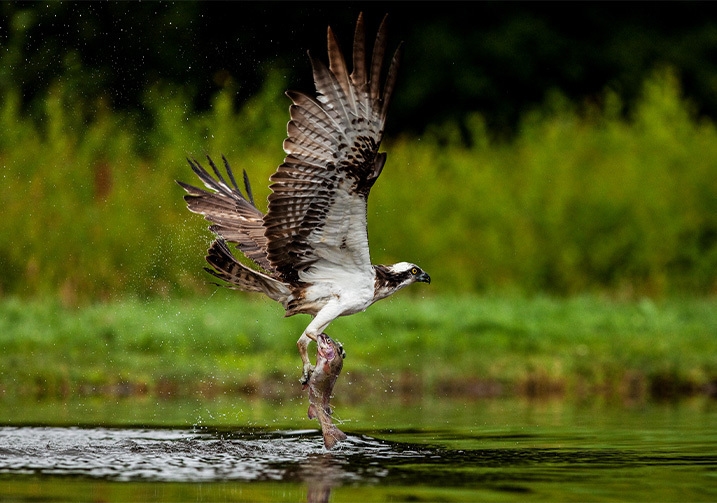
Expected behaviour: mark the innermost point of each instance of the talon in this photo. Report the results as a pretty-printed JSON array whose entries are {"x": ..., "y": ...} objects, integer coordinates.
[
  {"x": 341, "y": 350},
  {"x": 308, "y": 370}
]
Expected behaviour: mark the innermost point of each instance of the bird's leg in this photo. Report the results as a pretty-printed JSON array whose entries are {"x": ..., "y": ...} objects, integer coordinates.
[
  {"x": 322, "y": 319},
  {"x": 303, "y": 344}
]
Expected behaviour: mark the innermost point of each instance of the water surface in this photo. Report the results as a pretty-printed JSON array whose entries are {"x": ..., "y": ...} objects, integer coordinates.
[{"x": 493, "y": 451}]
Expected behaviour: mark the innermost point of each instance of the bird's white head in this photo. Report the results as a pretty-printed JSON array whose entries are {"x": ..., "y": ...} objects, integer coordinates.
[
  {"x": 409, "y": 273},
  {"x": 394, "y": 277}
]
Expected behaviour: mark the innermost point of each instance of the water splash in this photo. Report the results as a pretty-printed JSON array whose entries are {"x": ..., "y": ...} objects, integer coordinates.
[{"x": 183, "y": 455}]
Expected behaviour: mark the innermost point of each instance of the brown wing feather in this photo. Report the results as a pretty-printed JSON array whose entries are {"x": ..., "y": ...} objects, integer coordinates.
[
  {"x": 337, "y": 65},
  {"x": 317, "y": 209},
  {"x": 379, "y": 47},
  {"x": 358, "y": 73},
  {"x": 227, "y": 268},
  {"x": 235, "y": 217}
]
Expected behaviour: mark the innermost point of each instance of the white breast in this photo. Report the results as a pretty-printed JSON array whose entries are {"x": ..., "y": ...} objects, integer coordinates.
[{"x": 353, "y": 290}]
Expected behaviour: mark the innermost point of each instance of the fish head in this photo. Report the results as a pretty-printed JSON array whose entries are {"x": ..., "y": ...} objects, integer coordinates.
[
  {"x": 327, "y": 348},
  {"x": 330, "y": 354}
]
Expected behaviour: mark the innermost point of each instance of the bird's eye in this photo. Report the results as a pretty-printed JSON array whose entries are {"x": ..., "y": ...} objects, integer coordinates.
[{"x": 414, "y": 271}]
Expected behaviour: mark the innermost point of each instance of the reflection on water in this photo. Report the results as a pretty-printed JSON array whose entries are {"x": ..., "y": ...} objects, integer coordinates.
[{"x": 659, "y": 453}]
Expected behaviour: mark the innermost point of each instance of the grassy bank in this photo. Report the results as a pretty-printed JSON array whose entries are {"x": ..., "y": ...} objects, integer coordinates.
[{"x": 468, "y": 346}]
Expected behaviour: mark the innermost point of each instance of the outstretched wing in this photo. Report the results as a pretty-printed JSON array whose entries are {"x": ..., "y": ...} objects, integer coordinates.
[
  {"x": 317, "y": 209},
  {"x": 234, "y": 216}
]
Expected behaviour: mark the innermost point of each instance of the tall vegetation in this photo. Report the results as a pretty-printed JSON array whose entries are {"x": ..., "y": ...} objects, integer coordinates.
[{"x": 589, "y": 197}]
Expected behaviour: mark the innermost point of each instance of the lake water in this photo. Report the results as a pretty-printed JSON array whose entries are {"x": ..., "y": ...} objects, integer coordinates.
[{"x": 433, "y": 450}]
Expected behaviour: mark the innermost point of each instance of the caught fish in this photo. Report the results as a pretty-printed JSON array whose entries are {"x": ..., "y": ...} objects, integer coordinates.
[{"x": 329, "y": 360}]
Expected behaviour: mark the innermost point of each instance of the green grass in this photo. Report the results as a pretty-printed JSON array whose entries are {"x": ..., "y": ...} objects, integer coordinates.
[{"x": 471, "y": 346}]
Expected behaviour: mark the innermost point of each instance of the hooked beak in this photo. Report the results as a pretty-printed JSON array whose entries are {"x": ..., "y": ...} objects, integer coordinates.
[{"x": 423, "y": 278}]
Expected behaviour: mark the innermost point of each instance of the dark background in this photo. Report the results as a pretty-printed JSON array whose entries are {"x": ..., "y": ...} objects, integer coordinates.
[{"x": 497, "y": 58}]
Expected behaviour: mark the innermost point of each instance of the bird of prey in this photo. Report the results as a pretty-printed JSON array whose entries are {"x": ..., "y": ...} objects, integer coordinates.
[{"x": 310, "y": 250}]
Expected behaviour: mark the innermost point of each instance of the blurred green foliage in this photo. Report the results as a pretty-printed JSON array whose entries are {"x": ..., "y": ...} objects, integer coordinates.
[
  {"x": 589, "y": 197},
  {"x": 501, "y": 59},
  {"x": 582, "y": 199}
]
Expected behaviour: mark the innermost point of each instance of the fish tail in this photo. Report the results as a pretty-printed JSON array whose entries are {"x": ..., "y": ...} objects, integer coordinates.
[{"x": 332, "y": 435}]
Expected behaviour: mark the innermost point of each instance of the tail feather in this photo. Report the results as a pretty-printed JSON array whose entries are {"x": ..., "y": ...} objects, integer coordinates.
[{"x": 229, "y": 269}]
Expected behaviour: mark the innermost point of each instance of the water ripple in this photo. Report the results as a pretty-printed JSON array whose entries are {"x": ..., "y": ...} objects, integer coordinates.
[
  {"x": 184, "y": 455},
  {"x": 216, "y": 455}
]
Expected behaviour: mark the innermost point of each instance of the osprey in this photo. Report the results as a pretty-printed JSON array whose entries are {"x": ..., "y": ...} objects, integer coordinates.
[{"x": 311, "y": 248}]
